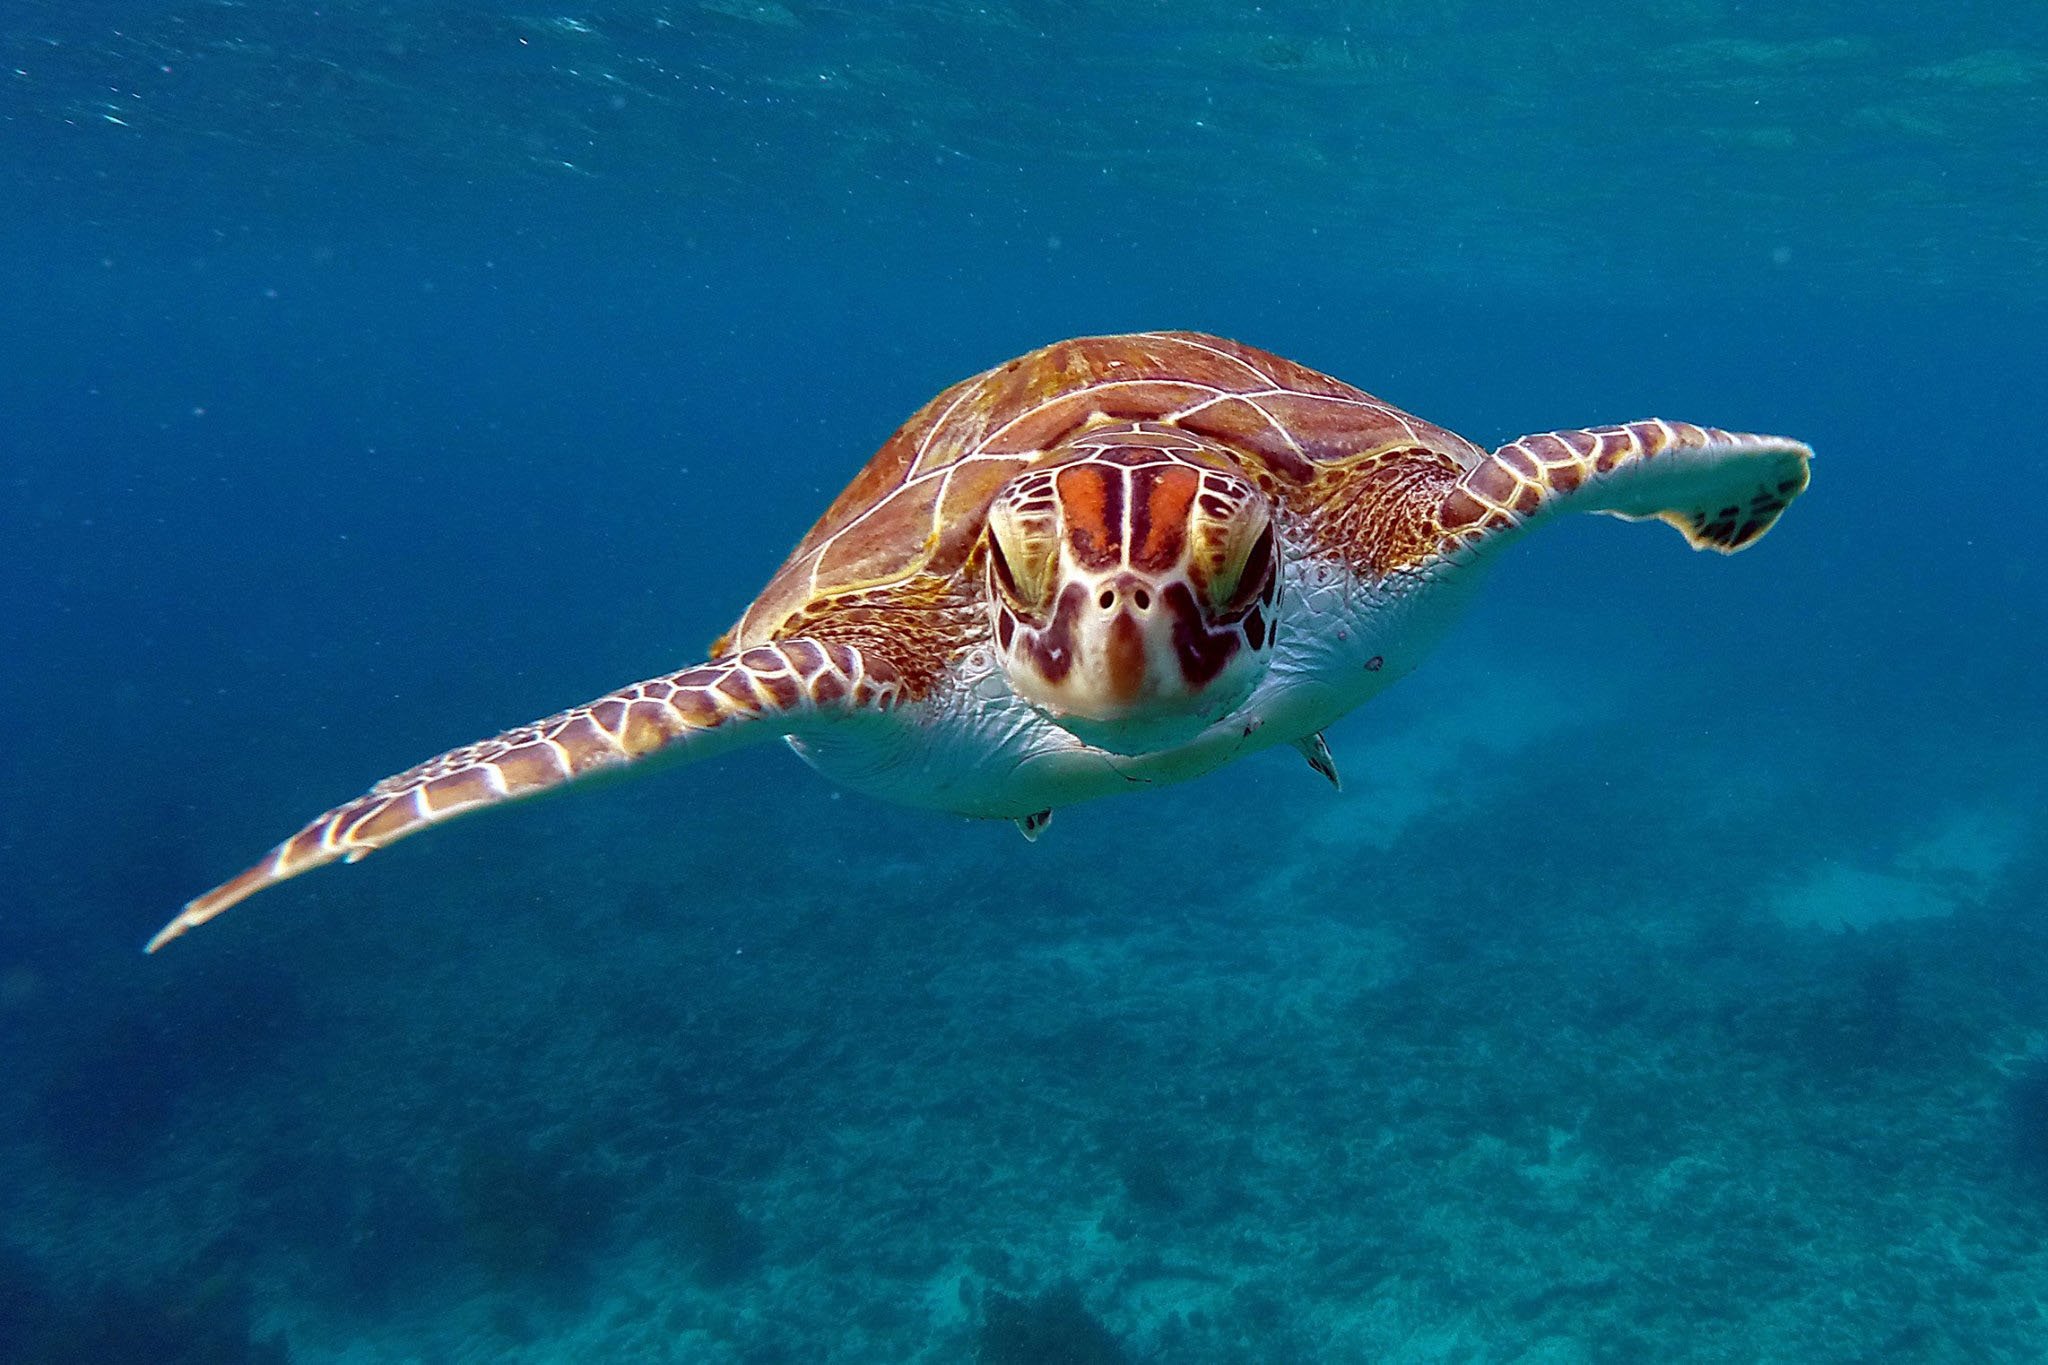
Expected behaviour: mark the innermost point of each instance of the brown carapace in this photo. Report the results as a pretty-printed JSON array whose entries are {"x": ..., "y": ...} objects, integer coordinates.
[{"x": 1112, "y": 562}]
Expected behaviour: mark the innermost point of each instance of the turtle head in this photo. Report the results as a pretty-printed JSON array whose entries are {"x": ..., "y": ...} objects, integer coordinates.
[{"x": 1132, "y": 591}]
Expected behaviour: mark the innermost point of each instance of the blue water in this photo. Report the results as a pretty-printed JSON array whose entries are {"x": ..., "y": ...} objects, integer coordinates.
[{"x": 1669, "y": 983}]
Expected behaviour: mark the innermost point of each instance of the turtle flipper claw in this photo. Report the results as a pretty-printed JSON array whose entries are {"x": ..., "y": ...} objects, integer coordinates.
[
  {"x": 1721, "y": 489},
  {"x": 1316, "y": 750},
  {"x": 1033, "y": 825}
]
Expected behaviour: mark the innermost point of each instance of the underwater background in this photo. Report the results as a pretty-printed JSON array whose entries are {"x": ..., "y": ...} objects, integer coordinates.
[{"x": 1670, "y": 982}]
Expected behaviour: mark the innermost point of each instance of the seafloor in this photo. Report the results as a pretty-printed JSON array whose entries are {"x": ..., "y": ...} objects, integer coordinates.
[{"x": 1587, "y": 1024}]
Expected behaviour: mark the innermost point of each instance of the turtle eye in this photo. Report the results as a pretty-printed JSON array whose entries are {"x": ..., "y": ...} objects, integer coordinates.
[
  {"x": 1244, "y": 567},
  {"x": 1023, "y": 557}
]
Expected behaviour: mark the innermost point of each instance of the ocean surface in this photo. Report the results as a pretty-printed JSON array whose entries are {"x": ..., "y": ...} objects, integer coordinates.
[{"x": 1668, "y": 983}]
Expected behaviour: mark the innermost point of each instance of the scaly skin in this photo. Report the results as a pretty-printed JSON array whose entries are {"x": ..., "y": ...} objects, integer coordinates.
[
  {"x": 700, "y": 711},
  {"x": 1198, "y": 549}
]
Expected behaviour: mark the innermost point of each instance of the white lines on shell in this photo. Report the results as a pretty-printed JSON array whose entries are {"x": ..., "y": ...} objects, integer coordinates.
[
  {"x": 1278, "y": 426},
  {"x": 932, "y": 431},
  {"x": 860, "y": 519},
  {"x": 1253, "y": 395},
  {"x": 1165, "y": 445},
  {"x": 938, "y": 516},
  {"x": 1021, "y": 457},
  {"x": 1370, "y": 404},
  {"x": 935, "y": 527},
  {"x": 1043, "y": 404},
  {"x": 1182, "y": 414},
  {"x": 1270, "y": 381}
]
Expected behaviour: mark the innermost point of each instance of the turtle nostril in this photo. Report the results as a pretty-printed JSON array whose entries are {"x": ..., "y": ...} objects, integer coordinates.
[
  {"x": 1107, "y": 600},
  {"x": 1143, "y": 599}
]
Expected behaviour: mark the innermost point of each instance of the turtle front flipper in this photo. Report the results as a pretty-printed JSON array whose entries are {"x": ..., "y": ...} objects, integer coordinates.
[
  {"x": 1721, "y": 489},
  {"x": 765, "y": 692}
]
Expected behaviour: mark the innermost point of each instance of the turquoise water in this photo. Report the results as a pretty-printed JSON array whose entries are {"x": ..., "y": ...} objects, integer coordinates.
[{"x": 1670, "y": 982}]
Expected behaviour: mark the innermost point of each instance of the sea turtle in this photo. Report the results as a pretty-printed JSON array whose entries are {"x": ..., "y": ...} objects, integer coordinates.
[{"x": 1111, "y": 563}]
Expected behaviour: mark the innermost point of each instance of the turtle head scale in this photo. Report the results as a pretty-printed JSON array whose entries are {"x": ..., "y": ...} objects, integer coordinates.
[{"x": 1132, "y": 592}]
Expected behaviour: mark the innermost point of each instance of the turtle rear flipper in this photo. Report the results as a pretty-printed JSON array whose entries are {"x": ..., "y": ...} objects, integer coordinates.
[
  {"x": 762, "y": 693},
  {"x": 1721, "y": 489}
]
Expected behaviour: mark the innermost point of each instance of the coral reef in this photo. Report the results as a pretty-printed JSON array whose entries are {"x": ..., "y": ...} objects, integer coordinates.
[
  {"x": 527, "y": 1215},
  {"x": 1054, "y": 1328},
  {"x": 1561, "y": 1096},
  {"x": 206, "y": 1323}
]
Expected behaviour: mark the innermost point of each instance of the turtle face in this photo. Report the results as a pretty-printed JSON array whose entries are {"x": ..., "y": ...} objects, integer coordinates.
[{"x": 1132, "y": 593}]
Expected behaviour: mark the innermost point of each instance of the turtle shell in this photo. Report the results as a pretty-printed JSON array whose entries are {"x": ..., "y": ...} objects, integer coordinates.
[{"x": 916, "y": 512}]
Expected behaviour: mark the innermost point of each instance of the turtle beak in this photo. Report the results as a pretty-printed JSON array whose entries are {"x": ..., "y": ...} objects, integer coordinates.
[
  {"x": 1126, "y": 601},
  {"x": 1126, "y": 632}
]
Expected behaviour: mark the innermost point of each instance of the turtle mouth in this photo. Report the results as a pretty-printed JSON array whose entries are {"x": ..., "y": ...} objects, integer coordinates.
[{"x": 1132, "y": 658}]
